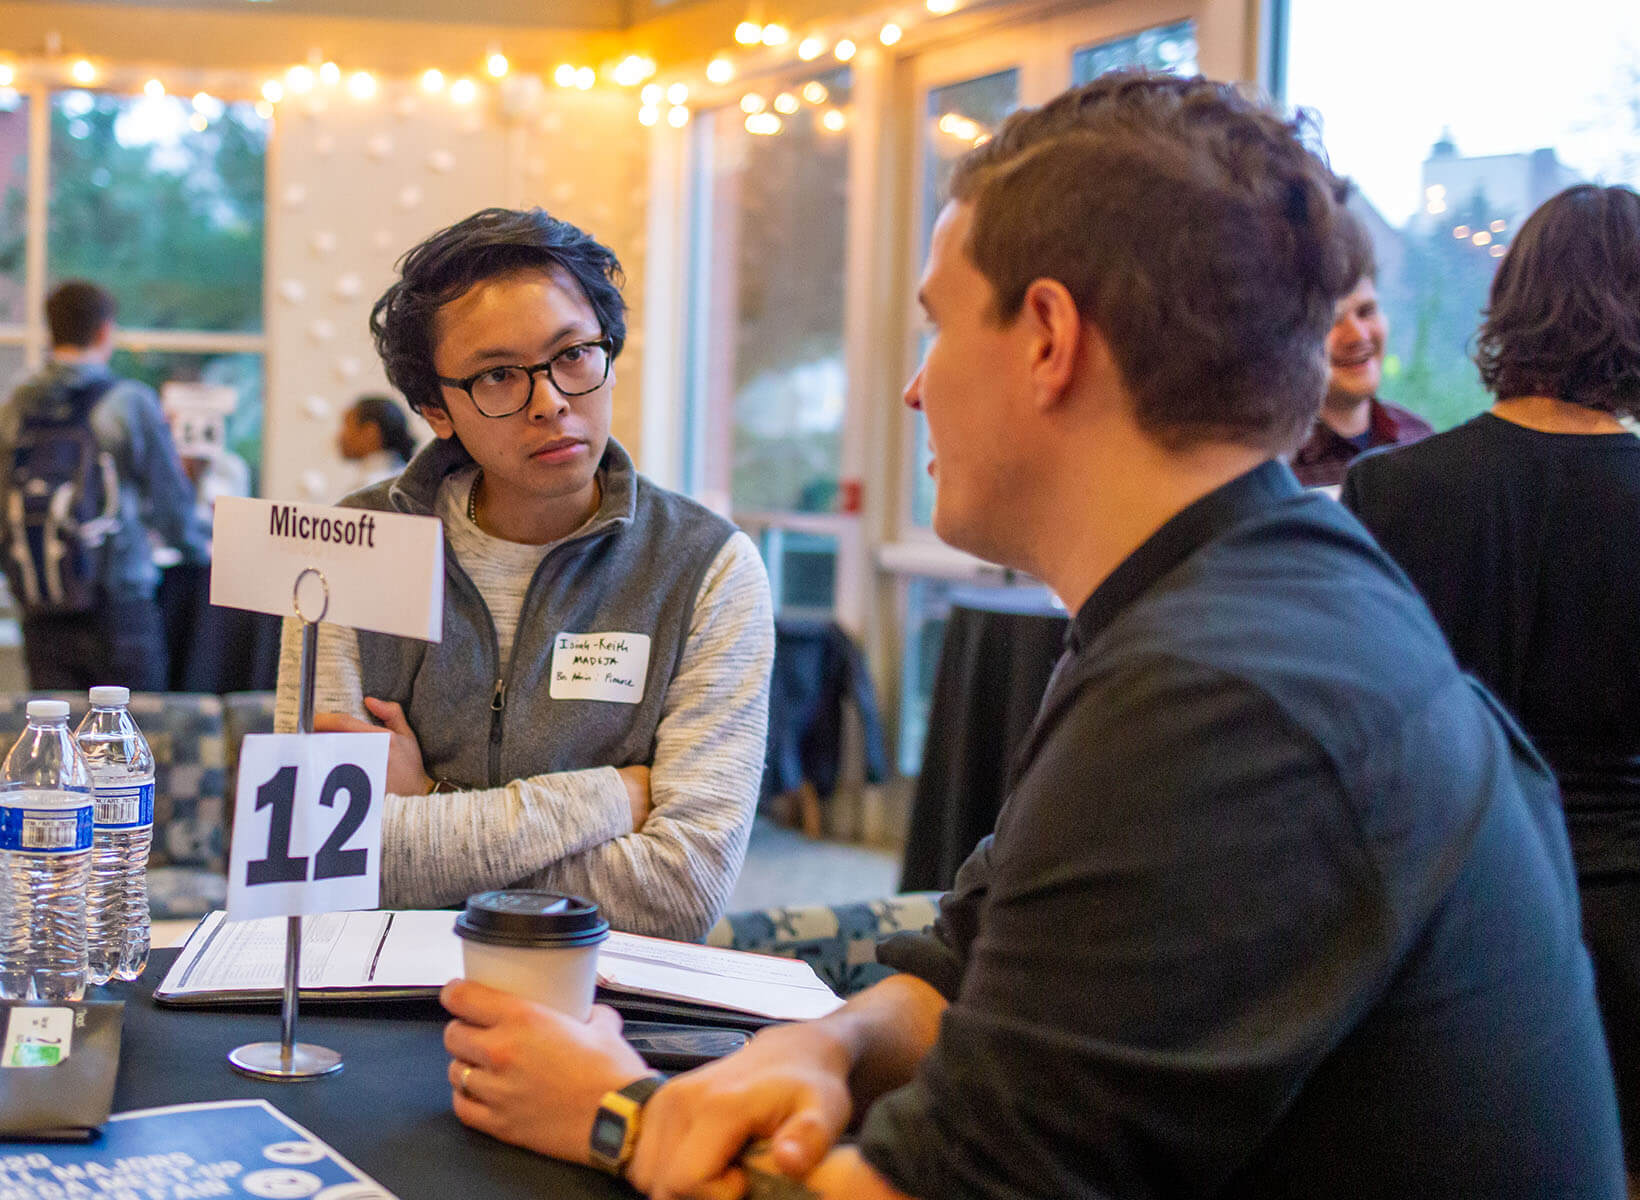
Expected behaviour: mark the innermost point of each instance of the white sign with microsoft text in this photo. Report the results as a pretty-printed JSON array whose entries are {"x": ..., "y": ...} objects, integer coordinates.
[{"x": 378, "y": 570}]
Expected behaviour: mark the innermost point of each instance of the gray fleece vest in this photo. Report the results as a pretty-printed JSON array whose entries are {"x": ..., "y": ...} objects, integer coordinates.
[{"x": 637, "y": 567}]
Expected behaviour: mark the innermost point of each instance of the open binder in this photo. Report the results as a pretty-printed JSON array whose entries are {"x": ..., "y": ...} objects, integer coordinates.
[{"x": 405, "y": 954}]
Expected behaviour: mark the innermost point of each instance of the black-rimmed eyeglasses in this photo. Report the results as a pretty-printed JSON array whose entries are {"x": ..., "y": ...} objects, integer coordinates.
[{"x": 501, "y": 391}]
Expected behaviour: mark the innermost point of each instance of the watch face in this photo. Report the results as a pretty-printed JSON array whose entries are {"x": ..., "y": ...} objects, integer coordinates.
[{"x": 608, "y": 1134}]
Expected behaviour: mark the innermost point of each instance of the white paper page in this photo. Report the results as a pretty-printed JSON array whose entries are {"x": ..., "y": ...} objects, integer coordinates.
[
  {"x": 781, "y": 988},
  {"x": 421, "y": 950},
  {"x": 337, "y": 950}
]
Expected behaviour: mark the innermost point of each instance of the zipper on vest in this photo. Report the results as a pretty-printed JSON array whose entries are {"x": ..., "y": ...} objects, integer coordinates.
[{"x": 498, "y": 702}]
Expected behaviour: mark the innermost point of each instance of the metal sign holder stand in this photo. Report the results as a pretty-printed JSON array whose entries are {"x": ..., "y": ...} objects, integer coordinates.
[{"x": 287, "y": 1060}]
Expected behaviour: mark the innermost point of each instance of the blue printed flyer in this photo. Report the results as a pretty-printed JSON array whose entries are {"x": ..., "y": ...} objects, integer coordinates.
[{"x": 232, "y": 1148}]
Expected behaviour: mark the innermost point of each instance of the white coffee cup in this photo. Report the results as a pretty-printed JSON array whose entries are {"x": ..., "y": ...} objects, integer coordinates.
[{"x": 542, "y": 946}]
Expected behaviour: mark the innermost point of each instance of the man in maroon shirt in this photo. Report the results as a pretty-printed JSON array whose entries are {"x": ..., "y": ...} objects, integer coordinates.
[{"x": 1352, "y": 418}]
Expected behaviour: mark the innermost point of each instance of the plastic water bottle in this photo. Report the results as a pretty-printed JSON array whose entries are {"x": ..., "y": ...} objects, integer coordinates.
[
  {"x": 45, "y": 841},
  {"x": 122, "y": 776}
]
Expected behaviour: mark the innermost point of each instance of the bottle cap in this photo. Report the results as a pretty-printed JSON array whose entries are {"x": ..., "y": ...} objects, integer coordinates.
[
  {"x": 107, "y": 697},
  {"x": 47, "y": 710}
]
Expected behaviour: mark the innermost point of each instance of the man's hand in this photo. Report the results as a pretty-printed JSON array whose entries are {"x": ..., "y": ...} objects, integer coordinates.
[
  {"x": 406, "y": 775},
  {"x": 536, "y": 1076},
  {"x": 637, "y": 793},
  {"x": 789, "y": 1086}
]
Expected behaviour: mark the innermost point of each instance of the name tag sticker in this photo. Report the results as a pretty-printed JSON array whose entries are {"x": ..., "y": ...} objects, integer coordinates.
[
  {"x": 38, "y": 1037},
  {"x": 599, "y": 666}
]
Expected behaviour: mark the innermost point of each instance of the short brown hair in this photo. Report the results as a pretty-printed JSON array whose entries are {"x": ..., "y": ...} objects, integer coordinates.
[
  {"x": 1564, "y": 315},
  {"x": 76, "y": 312},
  {"x": 1195, "y": 227}
]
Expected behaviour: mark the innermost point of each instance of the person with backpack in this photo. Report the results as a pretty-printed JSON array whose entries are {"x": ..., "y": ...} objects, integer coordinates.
[{"x": 89, "y": 478}]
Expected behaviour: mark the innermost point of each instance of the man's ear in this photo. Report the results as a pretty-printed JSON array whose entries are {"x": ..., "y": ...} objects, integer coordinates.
[
  {"x": 1056, "y": 328},
  {"x": 439, "y": 419}
]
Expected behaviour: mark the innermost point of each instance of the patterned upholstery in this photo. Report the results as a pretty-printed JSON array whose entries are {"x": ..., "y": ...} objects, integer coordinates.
[
  {"x": 185, "y": 731},
  {"x": 839, "y": 942}
]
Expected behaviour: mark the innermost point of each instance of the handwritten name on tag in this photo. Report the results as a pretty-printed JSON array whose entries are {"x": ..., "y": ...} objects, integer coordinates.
[{"x": 599, "y": 666}]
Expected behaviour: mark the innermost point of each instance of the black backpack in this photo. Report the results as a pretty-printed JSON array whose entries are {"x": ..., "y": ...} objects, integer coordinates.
[{"x": 62, "y": 502}]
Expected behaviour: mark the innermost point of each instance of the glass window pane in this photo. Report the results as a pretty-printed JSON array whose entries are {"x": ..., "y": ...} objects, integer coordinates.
[
  {"x": 1449, "y": 169},
  {"x": 161, "y": 202},
  {"x": 774, "y": 281},
  {"x": 13, "y": 203},
  {"x": 802, "y": 570},
  {"x": 1164, "y": 48},
  {"x": 928, "y": 605},
  {"x": 242, "y": 372}
]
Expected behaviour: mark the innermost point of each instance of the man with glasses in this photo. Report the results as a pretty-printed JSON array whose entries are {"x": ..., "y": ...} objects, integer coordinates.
[{"x": 593, "y": 720}]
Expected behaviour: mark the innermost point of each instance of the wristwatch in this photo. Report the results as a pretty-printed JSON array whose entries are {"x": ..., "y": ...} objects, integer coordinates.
[{"x": 615, "y": 1128}]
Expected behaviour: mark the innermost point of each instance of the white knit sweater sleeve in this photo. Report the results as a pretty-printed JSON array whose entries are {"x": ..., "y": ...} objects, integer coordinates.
[{"x": 572, "y": 830}]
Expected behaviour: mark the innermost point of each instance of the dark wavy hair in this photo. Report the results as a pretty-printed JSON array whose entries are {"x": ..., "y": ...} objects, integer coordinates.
[
  {"x": 1564, "y": 315},
  {"x": 493, "y": 242},
  {"x": 1197, "y": 228}
]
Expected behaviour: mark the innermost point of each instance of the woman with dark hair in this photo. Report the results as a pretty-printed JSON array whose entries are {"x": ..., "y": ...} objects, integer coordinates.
[
  {"x": 1518, "y": 527},
  {"x": 376, "y": 435}
]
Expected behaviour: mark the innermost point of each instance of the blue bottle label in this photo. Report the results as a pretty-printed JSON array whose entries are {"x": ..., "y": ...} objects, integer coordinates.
[
  {"x": 46, "y": 830},
  {"x": 125, "y": 807}
]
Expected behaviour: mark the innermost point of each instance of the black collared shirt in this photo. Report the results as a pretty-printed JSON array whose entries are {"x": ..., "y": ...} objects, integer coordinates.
[{"x": 1280, "y": 904}]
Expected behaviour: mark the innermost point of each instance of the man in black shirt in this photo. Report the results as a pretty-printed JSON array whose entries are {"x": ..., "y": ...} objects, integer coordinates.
[{"x": 1280, "y": 903}]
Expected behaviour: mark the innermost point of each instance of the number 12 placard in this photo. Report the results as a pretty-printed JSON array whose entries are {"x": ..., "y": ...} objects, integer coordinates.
[{"x": 307, "y": 829}]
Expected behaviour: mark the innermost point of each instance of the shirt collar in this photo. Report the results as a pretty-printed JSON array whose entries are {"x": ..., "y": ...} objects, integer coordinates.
[{"x": 1185, "y": 532}]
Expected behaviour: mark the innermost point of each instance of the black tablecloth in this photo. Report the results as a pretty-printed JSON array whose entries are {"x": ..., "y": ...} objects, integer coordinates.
[
  {"x": 994, "y": 668},
  {"x": 387, "y": 1111},
  {"x": 214, "y": 649}
]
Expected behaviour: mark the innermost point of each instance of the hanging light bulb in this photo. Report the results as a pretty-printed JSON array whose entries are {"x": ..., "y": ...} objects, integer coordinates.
[
  {"x": 198, "y": 123},
  {"x": 496, "y": 65},
  {"x": 720, "y": 71},
  {"x": 564, "y": 76},
  {"x": 844, "y": 50},
  {"x": 811, "y": 48},
  {"x": 329, "y": 74},
  {"x": 585, "y": 77},
  {"x": 751, "y": 102},
  {"x": 264, "y": 109},
  {"x": 677, "y": 94},
  {"x": 678, "y": 116},
  {"x": 83, "y": 72},
  {"x": 648, "y": 115},
  {"x": 833, "y": 120},
  {"x": 940, "y": 7},
  {"x": 785, "y": 103},
  {"x": 153, "y": 89},
  {"x": 432, "y": 80},
  {"x": 299, "y": 79},
  {"x": 748, "y": 33},
  {"x": 652, "y": 93},
  {"x": 273, "y": 91},
  {"x": 463, "y": 91},
  {"x": 8, "y": 76},
  {"x": 815, "y": 92},
  {"x": 890, "y": 33},
  {"x": 763, "y": 123},
  {"x": 361, "y": 85},
  {"x": 775, "y": 35}
]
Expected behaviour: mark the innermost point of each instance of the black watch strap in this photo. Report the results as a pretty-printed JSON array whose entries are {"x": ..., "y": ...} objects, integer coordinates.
[{"x": 639, "y": 1090}]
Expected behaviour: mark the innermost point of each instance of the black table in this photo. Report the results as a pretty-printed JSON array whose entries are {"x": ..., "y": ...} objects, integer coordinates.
[
  {"x": 387, "y": 1111},
  {"x": 999, "y": 650}
]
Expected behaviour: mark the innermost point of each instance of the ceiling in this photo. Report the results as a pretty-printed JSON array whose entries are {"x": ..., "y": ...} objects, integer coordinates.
[{"x": 552, "y": 14}]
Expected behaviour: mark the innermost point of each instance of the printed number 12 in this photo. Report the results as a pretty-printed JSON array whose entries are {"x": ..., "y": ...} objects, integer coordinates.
[{"x": 332, "y": 862}]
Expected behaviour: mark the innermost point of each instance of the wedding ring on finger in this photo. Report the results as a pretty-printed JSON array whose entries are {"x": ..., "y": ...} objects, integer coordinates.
[{"x": 461, "y": 1080}]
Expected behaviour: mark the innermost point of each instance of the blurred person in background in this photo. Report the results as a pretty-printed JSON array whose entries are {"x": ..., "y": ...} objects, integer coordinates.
[
  {"x": 1353, "y": 419},
  {"x": 1518, "y": 528},
  {"x": 376, "y": 440}
]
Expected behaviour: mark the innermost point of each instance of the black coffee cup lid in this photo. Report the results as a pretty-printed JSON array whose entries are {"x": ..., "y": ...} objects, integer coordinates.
[{"x": 519, "y": 917}]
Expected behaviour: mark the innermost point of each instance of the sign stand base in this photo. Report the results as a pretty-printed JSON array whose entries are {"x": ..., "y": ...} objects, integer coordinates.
[
  {"x": 280, "y": 1063},
  {"x": 287, "y": 1060}
]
